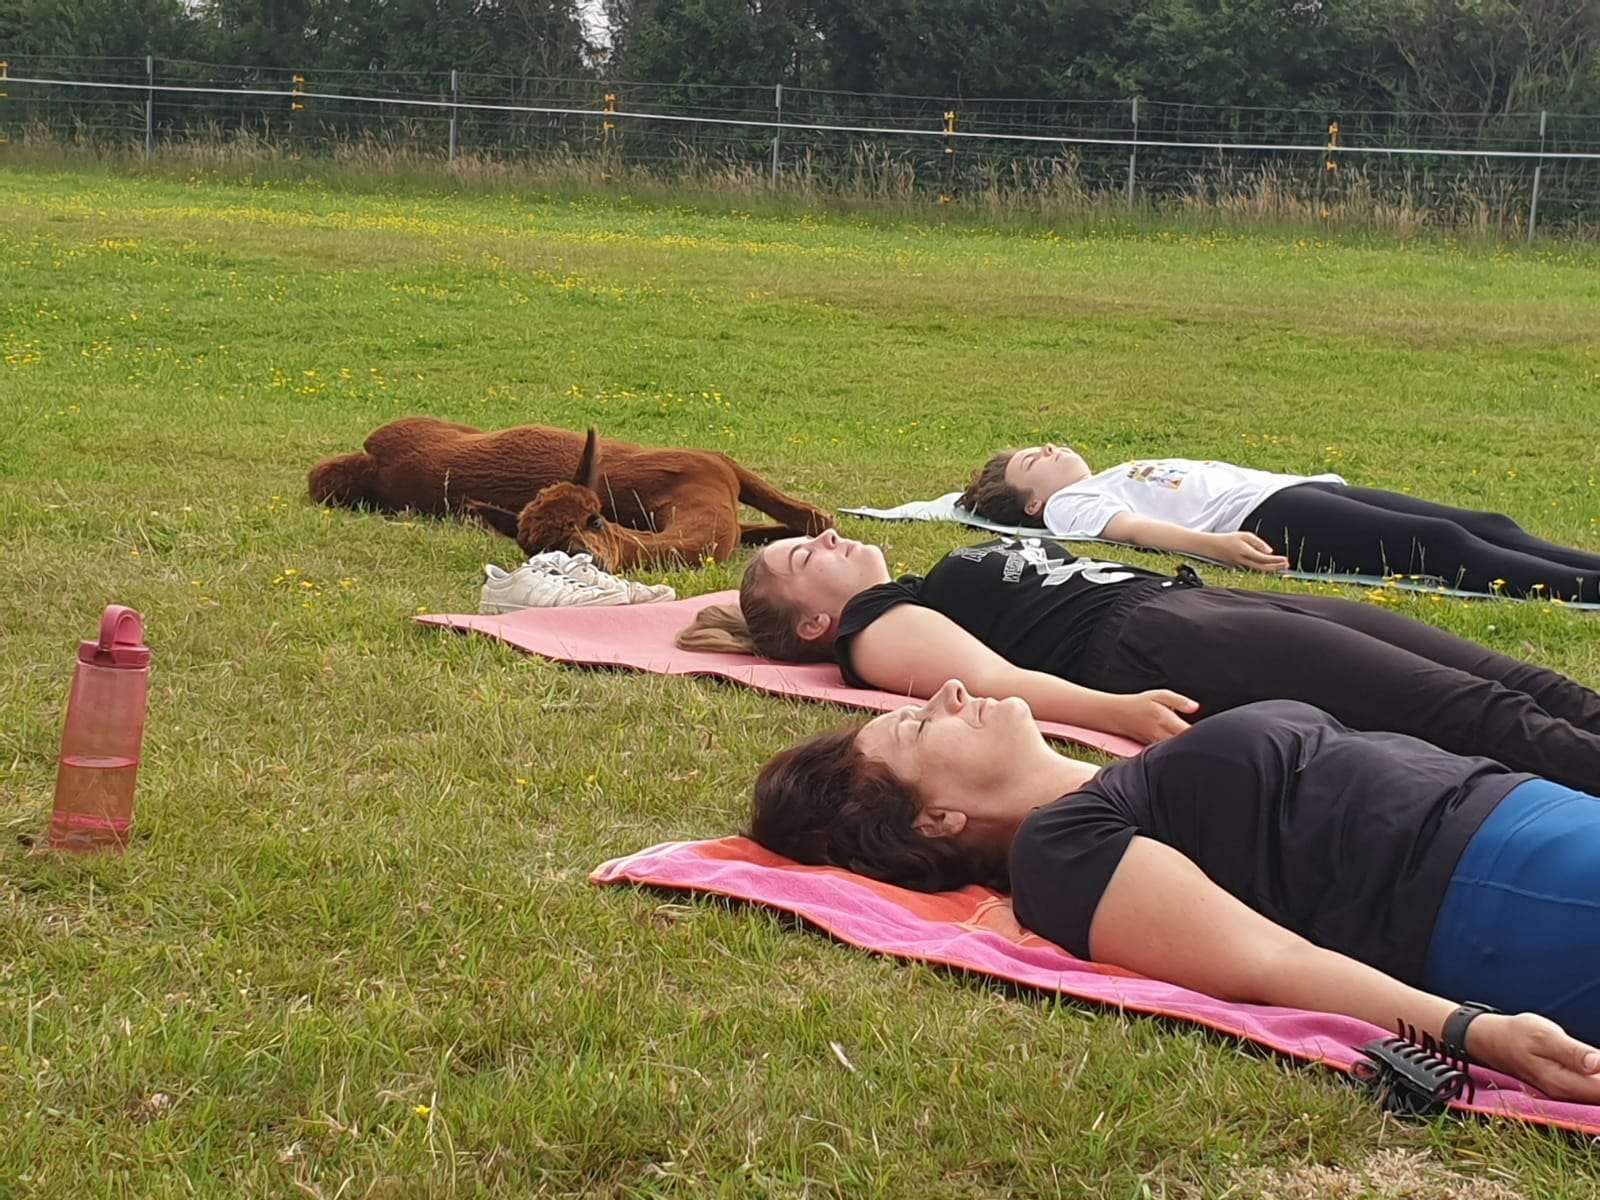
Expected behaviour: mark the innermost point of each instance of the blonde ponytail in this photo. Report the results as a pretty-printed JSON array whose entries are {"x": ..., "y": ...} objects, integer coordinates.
[
  {"x": 760, "y": 624},
  {"x": 719, "y": 629}
]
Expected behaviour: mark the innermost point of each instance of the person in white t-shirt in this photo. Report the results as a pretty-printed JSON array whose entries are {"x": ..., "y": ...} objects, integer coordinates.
[{"x": 1265, "y": 521}]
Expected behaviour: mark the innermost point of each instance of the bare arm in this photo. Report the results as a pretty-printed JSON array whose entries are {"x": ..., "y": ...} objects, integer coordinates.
[
  {"x": 1236, "y": 549},
  {"x": 913, "y": 650},
  {"x": 1161, "y": 916}
]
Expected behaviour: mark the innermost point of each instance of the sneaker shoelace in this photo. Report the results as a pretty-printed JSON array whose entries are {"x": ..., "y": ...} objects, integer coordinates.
[
  {"x": 581, "y": 568},
  {"x": 573, "y": 566}
]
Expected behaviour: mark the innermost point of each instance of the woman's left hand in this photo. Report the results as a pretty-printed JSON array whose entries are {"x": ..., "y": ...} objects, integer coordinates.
[
  {"x": 1538, "y": 1051},
  {"x": 1246, "y": 551},
  {"x": 1152, "y": 716}
]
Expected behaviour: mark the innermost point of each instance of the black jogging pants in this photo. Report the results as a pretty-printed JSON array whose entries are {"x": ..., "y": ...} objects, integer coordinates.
[
  {"x": 1370, "y": 668},
  {"x": 1336, "y": 527}
]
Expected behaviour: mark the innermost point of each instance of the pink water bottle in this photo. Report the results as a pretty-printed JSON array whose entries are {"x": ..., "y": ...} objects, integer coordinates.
[{"x": 101, "y": 737}]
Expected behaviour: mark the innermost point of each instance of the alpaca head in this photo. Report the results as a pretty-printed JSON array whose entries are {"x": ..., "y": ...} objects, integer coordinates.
[{"x": 568, "y": 516}]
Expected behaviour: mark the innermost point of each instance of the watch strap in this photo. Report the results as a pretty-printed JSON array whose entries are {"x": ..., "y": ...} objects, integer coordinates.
[{"x": 1453, "y": 1036}]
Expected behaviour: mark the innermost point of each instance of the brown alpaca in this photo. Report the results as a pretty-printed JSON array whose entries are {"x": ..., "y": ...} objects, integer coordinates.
[{"x": 552, "y": 489}]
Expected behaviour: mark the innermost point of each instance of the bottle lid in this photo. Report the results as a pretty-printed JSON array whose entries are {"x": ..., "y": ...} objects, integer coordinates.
[{"x": 121, "y": 641}]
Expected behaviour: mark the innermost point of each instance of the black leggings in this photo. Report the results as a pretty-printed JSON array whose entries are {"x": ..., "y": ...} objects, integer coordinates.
[
  {"x": 1336, "y": 527},
  {"x": 1370, "y": 668}
]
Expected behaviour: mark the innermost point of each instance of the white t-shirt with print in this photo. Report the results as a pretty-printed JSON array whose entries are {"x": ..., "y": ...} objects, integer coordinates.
[{"x": 1206, "y": 496}]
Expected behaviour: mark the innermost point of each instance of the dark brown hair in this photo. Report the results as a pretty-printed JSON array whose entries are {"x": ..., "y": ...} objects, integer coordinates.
[
  {"x": 759, "y": 624},
  {"x": 825, "y": 803},
  {"x": 988, "y": 495}
]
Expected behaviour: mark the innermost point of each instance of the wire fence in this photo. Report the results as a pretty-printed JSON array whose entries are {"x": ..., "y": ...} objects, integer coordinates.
[{"x": 1505, "y": 170}]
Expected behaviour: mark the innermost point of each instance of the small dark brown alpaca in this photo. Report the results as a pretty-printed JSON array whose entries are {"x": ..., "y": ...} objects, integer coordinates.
[{"x": 552, "y": 489}]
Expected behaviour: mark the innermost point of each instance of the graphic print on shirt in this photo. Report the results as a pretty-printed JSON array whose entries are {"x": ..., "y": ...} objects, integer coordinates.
[
  {"x": 1022, "y": 553},
  {"x": 1162, "y": 474}
]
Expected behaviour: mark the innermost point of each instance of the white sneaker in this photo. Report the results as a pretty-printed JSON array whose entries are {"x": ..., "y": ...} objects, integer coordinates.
[
  {"x": 529, "y": 587},
  {"x": 581, "y": 567}
]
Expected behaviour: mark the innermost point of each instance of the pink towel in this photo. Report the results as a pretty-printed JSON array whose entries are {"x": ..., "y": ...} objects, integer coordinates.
[
  {"x": 640, "y": 636},
  {"x": 974, "y": 930}
]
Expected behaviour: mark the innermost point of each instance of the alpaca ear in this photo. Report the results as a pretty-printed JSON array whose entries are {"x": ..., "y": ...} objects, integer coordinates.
[
  {"x": 501, "y": 520},
  {"x": 588, "y": 474}
]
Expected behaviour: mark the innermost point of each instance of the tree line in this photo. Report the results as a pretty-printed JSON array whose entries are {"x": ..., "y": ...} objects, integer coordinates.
[{"x": 1476, "y": 59}]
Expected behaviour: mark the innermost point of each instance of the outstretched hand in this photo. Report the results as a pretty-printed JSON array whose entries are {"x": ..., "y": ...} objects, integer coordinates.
[
  {"x": 1153, "y": 716},
  {"x": 1537, "y": 1051},
  {"x": 1247, "y": 551}
]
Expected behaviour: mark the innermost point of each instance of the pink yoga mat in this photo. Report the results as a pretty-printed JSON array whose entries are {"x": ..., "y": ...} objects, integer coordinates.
[
  {"x": 640, "y": 636},
  {"x": 974, "y": 930}
]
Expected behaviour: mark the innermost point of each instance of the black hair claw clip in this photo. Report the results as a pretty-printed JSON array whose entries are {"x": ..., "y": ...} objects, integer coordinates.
[{"x": 1412, "y": 1076}]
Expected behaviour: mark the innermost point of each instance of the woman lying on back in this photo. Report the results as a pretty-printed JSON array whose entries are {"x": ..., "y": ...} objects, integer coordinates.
[
  {"x": 1270, "y": 855},
  {"x": 1099, "y": 644},
  {"x": 1264, "y": 521}
]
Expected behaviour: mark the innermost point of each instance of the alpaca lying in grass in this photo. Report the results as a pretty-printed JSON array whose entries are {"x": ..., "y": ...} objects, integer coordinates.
[{"x": 552, "y": 489}]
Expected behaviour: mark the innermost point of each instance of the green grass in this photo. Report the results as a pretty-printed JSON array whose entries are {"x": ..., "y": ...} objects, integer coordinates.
[{"x": 352, "y": 952}]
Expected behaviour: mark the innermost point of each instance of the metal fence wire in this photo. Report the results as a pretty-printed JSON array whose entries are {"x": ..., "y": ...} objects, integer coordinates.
[{"x": 1511, "y": 170}]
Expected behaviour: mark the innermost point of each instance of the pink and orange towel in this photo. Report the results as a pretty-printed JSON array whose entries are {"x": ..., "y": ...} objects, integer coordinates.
[
  {"x": 640, "y": 636},
  {"x": 974, "y": 930}
]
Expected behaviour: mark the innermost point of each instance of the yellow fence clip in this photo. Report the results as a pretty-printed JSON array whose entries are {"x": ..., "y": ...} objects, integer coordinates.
[
  {"x": 611, "y": 107},
  {"x": 294, "y": 104},
  {"x": 949, "y": 128},
  {"x": 1333, "y": 145}
]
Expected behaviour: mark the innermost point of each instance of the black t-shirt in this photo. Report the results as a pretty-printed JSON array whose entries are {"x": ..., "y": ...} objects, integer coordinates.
[
  {"x": 1027, "y": 599},
  {"x": 1348, "y": 839}
]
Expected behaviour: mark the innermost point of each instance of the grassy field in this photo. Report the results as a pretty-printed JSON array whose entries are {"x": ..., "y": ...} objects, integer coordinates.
[{"x": 352, "y": 952}]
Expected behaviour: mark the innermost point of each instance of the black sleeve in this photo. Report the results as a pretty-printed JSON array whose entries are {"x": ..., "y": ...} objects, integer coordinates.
[
  {"x": 863, "y": 609},
  {"x": 1062, "y": 859}
]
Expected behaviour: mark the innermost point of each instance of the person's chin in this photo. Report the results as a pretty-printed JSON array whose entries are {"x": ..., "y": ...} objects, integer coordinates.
[{"x": 1014, "y": 708}]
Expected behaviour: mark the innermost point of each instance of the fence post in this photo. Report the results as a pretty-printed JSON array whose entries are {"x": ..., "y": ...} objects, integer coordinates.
[
  {"x": 610, "y": 146},
  {"x": 948, "y": 193},
  {"x": 1329, "y": 175},
  {"x": 455, "y": 110},
  {"x": 1133, "y": 152},
  {"x": 1533, "y": 202},
  {"x": 777, "y": 133},
  {"x": 149, "y": 105}
]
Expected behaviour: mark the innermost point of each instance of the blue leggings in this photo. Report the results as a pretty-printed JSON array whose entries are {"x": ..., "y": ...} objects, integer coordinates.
[{"x": 1519, "y": 927}]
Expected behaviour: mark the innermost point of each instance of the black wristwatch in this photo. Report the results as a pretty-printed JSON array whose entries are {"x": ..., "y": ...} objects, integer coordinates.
[{"x": 1453, "y": 1037}]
